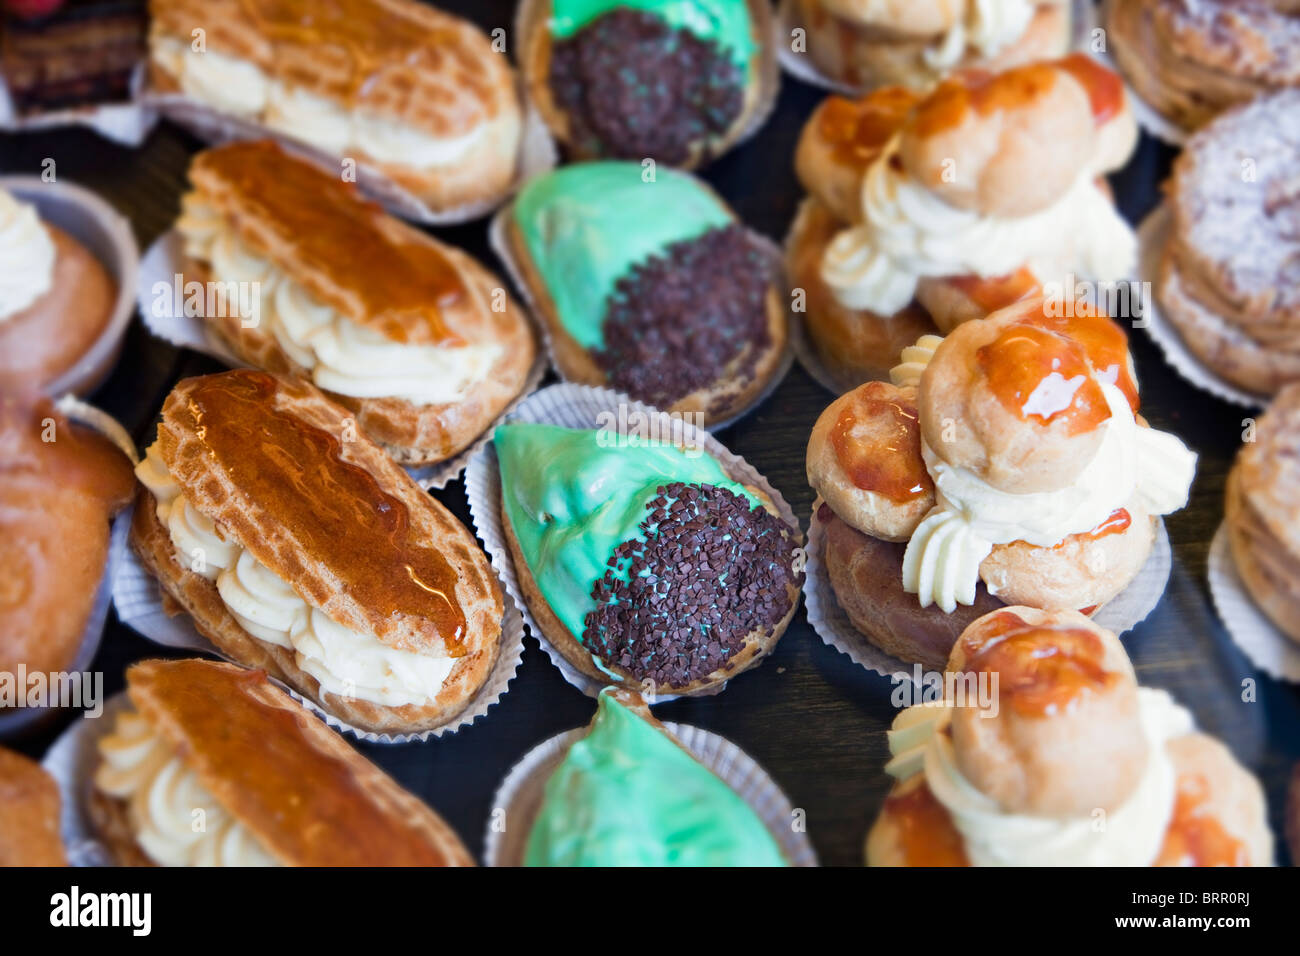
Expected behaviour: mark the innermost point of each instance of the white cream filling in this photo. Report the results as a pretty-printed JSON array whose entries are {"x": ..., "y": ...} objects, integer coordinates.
[
  {"x": 345, "y": 662},
  {"x": 908, "y": 232},
  {"x": 341, "y": 356},
  {"x": 175, "y": 819},
  {"x": 27, "y": 255},
  {"x": 1129, "y": 835},
  {"x": 989, "y": 27},
  {"x": 232, "y": 85}
]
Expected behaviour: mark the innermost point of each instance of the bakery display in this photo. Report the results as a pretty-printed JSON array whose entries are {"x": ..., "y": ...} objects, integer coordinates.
[
  {"x": 676, "y": 81},
  {"x": 928, "y": 210},
  {"x": 296, "y": 545},
  {"x": 414, "y": 337},
  {"x": 415, "y": 93},
  {"x": 865, "y": 45},
  {"x": 683, "y": 312},
  {"x": 1228, "y": 268},
  {"x": 29, "y": 814},
  {"x": 628, "y": 794},
  {"x": 270, "y": 783},
  {"x": 1006, "y": 463},
  {"x": 1192, "y": 59},
  {"x": 645, "y": 564},
  {"x": 1067, "y": 738},
  {"x": 60, "y": 486}
]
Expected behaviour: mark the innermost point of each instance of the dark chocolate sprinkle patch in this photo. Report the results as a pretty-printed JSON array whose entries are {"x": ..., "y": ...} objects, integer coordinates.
[{"x": 678, "y": 605}]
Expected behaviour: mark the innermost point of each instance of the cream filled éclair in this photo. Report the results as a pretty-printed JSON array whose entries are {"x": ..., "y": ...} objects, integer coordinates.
[
  {"x": 214, "y": 765},
  {"x": 926, "y": 211},
  {"x": 867, "y": 44},
  {"x": 411, "y": 91},
  {"x": 1006, "y": 463},
  {"x": 415, "y": 337},
  {"x": 296, "y": 545},
  {"x": 1045, "y": 751},
  {"x": 1229, "y": 278}
]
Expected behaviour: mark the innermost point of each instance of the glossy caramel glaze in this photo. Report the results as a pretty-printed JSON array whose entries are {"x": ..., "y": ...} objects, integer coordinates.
[
  {"x": 337, "y": 509},
  {"x": 1103, "y": 341},
  {"x": 1194, "y": 837},
  {"x": 1105, "y": 88},
  {"x": 996, "y": 292},
  {"x": 884, "y": 456},
  {"x": 926, "y": 835},
  {"x": 1118, "y": 522},
  {"x": 858, "y": 129},
  {"x": 981, "y": 91}
]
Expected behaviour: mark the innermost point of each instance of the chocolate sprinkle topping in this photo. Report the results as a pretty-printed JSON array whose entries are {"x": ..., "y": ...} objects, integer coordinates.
[
  {"x": 688, "y": 317},
  {"x": 678, "y": 605},
  {"x": 635, "y": 88}
]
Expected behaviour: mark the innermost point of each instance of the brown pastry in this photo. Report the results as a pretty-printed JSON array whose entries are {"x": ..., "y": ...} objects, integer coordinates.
[
  {"x": 29, "y": 814},
  {"x": 255, "y": 781},
  {"x": 418, "y": 339},
  {"x": 296, "y": 545}
]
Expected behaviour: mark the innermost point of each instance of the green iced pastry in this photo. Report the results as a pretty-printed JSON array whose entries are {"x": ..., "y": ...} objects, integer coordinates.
[
  {"x": 724, "y": 22},
  {"x": 628, "y": 795}
]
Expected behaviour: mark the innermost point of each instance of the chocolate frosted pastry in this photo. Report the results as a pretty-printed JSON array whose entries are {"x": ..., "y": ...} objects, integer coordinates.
[
  {"x": 676, "y": 81},
  {"x": 650, "y": 287},
  {"x": 644, "y": 564}
]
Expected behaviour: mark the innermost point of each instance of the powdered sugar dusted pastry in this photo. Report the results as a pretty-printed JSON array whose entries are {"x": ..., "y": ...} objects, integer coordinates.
[
  {"x": 298, "y": 546},
  {"x": 29, "y": 814},
  {"x": 1192, "y": 59},
  {"x": 869, "y": 43},
  {"x": 1042, "y": 732},
  {"x": 1230, "y": 272},
  {"x": 273, "y": 784},
  {"x": 1010, "y": 460},
  {"x": 415, "y": 93},
  {"x": 957, "y": 203},
  {"x": 415, "y": 337}
]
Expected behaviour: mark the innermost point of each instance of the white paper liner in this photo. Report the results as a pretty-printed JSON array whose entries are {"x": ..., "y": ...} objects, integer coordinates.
[
  {"x": 1153, "y": 235},
  {"x": 497, "y": 239},
  {"x": 125, "y": 123},
  {"x": 577, "y": 406},
  {"x": 71, "y": 761},
  {"x": 537, "y": 154},
  {"x": 139, "y": 601},
  {"x": 164, "y": 260},
  {"x": 1122, "y": 613},
  {"x": 1262, "y": 641},
  {"x": 802, "y": 67},
  {"x": 1147, "y": 116},
  {"x": 519, "y": 795}
]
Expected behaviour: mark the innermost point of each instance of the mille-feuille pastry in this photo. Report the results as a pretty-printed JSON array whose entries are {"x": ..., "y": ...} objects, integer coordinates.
[
  {"x": 1192, "y": 59},
  {"x": 676, "y": 81},
  {"x": 629, "y": 794},
  {"x": 415, "y": 337},
  {"x": 653, "y": 288},
  {"x": 1262, "y": 512},
  {"x": 644, "y": 563},
  {"x": 296, "y": 545},
  {"x": 29, "y": 814},
  {"x": 945, "y": 207},
  {"x": 413, "y": 92},
  {"x": 60, "y": 486},
  {"x": 55, "y": 297},
  {"x": 1045, "y": 752},
  {"x": 1229, "y": 280},
  {"x": 214, "y": 765},
  {"x": 867, "y": 44},
  {"x": 1006, "y": 463}
]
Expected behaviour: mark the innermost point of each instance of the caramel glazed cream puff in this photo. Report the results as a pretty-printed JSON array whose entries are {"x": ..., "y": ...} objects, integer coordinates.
[
  {"x": 871, "y": 43},
  {"x": 1005, "y": 464},
  {"x": 1061, "y": 760},
  {"x": 415, "y": 337},
  {"x": 928, "y": 211},
  {"x": 415, "y": 93}
]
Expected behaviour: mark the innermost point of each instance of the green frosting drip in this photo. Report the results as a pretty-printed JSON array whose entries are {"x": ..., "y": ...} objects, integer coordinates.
[
  {"x": 725, "y": 22},
  {"x": 587, "y": 224},
  {"x": 571, "y": 501},
  {"x": 628, "y": 795}
]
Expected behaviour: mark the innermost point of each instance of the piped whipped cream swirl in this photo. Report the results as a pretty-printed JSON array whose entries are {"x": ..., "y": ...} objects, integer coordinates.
[
  {"x": 27, "y": 255},
  {"x": 989, "y": 27},
  {"x": 1133, "y": 832}
]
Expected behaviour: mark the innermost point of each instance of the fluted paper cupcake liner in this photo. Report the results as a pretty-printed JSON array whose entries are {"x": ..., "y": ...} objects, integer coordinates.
[
  {"x": 1122, "y": 613},
  {"x": 126, "y": 123},
  {"x": 579, "y": 406},
  {"x": 1267, "y": 646},
  {"x": 139, "y": 601},
  {"x": 165, "y": 259},
  {"x": 71, "y": 761},
  {"x": 519, "y": 796}
]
